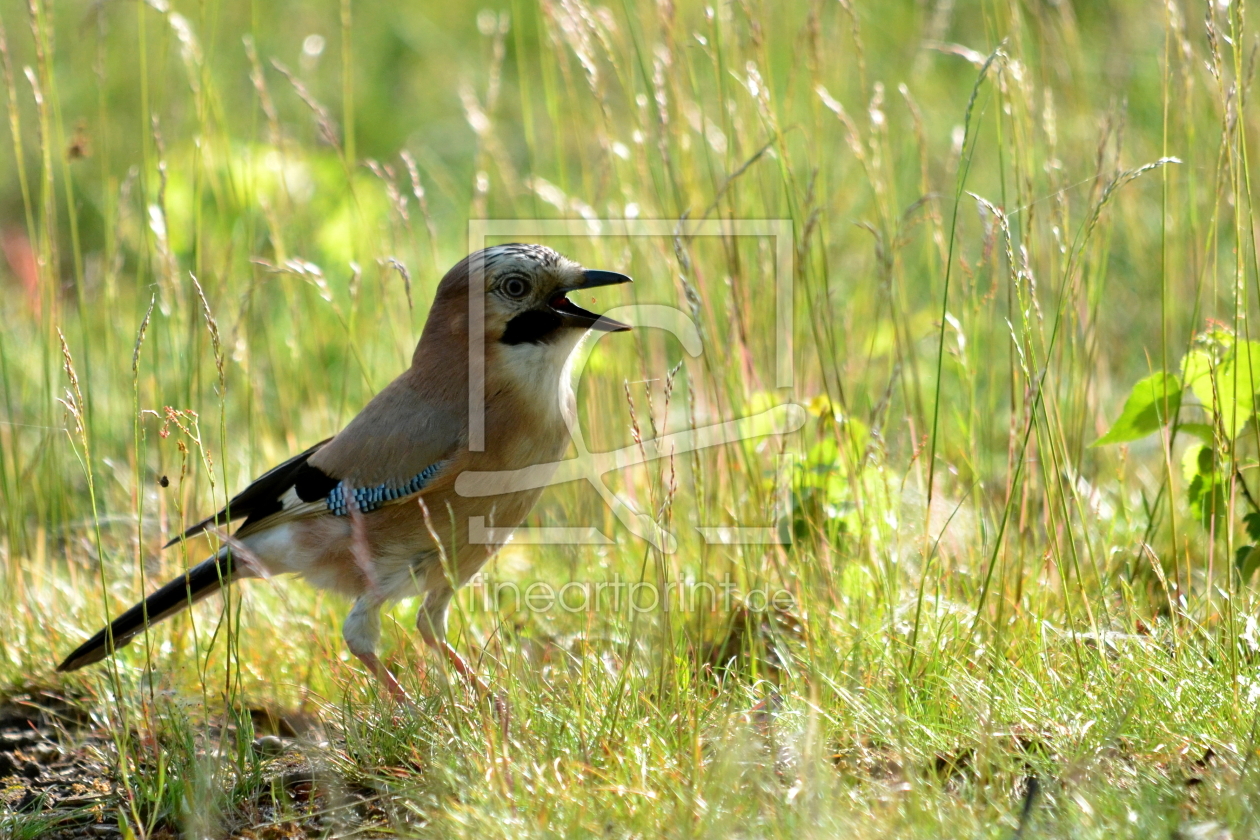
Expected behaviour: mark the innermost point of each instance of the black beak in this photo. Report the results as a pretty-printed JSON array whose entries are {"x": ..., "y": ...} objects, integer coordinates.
[
  {"x": 592, "y": 278},
  {"x": 576, "y": 316}
]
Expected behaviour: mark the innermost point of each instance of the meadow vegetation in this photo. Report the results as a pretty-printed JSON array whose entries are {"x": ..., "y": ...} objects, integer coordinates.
[{"x": 222, "y": 223}]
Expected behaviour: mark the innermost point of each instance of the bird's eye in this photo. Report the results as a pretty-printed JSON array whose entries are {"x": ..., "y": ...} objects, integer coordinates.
[{"x": 515, "y": 287}]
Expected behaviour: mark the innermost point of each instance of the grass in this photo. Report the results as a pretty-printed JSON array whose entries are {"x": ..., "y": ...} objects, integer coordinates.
[{"x": 223, "y": 222}]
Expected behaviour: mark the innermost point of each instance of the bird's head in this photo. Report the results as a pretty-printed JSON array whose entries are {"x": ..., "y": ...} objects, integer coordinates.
[
  {"x": 527, "y": 312},
  {"x": 527, "y": 290}
]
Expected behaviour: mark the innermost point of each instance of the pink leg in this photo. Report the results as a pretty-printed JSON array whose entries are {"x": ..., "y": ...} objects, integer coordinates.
[
  {"x": 431, "y": 622},
  {"x": 382, "y": 673},
  {"x": 461, "y": 667}
]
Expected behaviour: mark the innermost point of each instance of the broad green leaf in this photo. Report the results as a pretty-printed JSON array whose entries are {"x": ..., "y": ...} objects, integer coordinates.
[
  {"x": 1247, "y": 559},
  {"x": 1203, "y": 431},
  {"x": 1151, "y": 404},
  {"x": 1227, "y": 390},
  {"x": 1252, "y": 523},
  {"x": 1205, "y": 490},
  {"x": 1196, "y": 460},
  {"x": 1237, "y": 380},
  {"x": 1207, "y": 501},
  {"x": 1196, "y": 370}
]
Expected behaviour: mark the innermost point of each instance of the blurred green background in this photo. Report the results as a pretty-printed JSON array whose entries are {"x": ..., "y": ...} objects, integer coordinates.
[{"x": 561, "y": 110}]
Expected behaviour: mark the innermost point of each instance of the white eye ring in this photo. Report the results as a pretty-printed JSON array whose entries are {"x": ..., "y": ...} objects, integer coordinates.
[{"x": 515, "y": 287}]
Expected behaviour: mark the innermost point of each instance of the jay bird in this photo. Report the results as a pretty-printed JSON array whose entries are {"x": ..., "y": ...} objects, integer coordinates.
[{"x": 372, "y": 512}]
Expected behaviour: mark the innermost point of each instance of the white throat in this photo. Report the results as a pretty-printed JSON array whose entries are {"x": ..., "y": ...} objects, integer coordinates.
[{"x": 542, "y": 373}]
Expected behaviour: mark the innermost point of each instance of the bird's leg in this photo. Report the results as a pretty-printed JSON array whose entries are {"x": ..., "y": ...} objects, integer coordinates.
[
  {"x": 374, "y": 664},
  {"x": 461, "y": 667},
  {"x": 362, "y": 630},
  {"x": 502, "y": 710},
  {"x": 431, "y": 623}
]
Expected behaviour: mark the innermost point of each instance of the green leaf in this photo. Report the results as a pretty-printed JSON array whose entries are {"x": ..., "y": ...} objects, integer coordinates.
[
  {"x": 1228, "y": 389},
  {"x": 1247, "y": 559},
  {"x": 1252, "y": 523},
  {"x": 1237, "y": 381},
  {"x": 1203, "y": 431},
  {"x": 1207, "y": 502},
  {"x": 1205, "y": 489},
  {"x": 1196, "y": 370},
  {"x": 1151, "y": 404},
  {"x": 1197, "y": 460}
]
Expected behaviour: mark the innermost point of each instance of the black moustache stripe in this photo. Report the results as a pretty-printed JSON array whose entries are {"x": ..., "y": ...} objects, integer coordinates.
[{"x": 536, "y": 326}]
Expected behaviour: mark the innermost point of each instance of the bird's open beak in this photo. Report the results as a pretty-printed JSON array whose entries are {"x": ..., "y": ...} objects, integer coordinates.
[{"x": 575, "y": 315}]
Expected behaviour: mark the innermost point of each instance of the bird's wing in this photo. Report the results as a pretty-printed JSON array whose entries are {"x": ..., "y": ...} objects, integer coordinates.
[
  {"x": 262, "y": 497},
  {"x": 398, "y": 445},
  {"x": 400, "y": 434}
]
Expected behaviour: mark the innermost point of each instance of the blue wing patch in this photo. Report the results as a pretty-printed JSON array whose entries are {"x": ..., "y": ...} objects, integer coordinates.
[{"x": 368, "y": 499}]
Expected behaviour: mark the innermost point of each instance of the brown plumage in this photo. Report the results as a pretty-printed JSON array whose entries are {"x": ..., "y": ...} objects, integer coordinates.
[{"x": 349, "y": 514}]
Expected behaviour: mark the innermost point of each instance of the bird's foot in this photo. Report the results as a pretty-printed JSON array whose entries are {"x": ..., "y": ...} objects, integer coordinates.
[
  {"x": 374, "y": 664},
  {"x": 502, "y": 708},
  {"x": 460, "y": 666}
]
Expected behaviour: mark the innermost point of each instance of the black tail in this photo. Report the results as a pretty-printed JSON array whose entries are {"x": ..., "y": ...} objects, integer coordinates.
[{"x": 201, "y": 580}]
